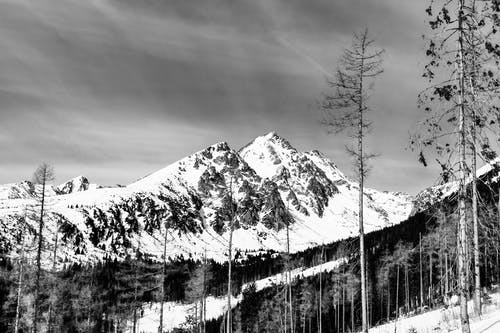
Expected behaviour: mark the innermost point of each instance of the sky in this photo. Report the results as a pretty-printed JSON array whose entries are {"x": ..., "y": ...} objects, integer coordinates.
[{"x": 116, "y": 89}]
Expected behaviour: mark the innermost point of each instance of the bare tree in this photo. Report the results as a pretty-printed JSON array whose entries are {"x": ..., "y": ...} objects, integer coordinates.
[
  {"x": 42, "y": 176},
  {"x": 458, "y": 53},
  {"x": 345, "y": 109},
  {"x": 22, "y": 229},
  {"x": 163, "y": 273},
  {"x": 229, "y": 325}
]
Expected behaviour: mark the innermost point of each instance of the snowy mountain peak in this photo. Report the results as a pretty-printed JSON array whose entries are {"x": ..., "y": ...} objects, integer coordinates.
[
  {"x": 220, "y": 146},
  {"x": 22, "y": 190},
  {"x": 76, "y": 184},
  {"x": 266, "y": 153},
  {"x": 269, "y": 182}
]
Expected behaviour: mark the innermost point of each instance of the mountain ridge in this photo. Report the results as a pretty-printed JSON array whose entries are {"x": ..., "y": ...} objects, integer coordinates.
[{"x": 270, "y": 181}]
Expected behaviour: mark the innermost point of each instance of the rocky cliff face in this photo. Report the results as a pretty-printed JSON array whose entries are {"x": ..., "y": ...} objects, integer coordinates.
[
  {"x": 76, "y": 184},
  {"x": 266, "y": 186}
]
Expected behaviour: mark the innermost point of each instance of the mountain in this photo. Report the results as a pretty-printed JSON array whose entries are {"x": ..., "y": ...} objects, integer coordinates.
[
  {"x": 430, "y": 196},
  {"x": 266, "y": 179},
  {"x": 76, "y": 184}
]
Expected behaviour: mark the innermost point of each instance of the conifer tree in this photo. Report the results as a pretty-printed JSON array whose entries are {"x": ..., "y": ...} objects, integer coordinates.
[
  {"x": 345, "y": 110},
  {"x": 42, "y": 176}
]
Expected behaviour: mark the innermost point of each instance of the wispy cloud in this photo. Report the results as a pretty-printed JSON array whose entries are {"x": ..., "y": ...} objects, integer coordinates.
[{"x": 88, "y": 85}]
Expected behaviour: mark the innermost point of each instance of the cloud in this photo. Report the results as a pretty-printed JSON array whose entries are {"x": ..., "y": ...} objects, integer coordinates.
[{"x": 102, "y": 83}]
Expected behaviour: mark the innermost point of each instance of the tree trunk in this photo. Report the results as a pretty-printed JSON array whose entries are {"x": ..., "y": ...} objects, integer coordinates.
[
  {"x": 320, "y": 328},
  {"x": 361, "y": 170},
  {"x": 352, "y": 308},
  {"x": 303, "y": 323},
  {"x": 446, "y": 279},
  {"x": 497, "y": 269},
  {"x": 204, "y": 315},
  {"x": 134, "y": 329},
  {"x": 407, "y": 290},
  {"x": 477, "y": 276},
  {"x": 441, "y": 282},
  {"x": 464, "y": 316},
  {"x": 229, "y": 260},
  {"x": 160, "y": 329},
  {"x": 364, "y": 312},
  {"x": 388, "y": 299},
  {"x": 431, "y": 298},
  {"x": 397, "y": 291},
  {"x": 49, "y": 329},
  {"x": 38, "y": 261},
  {"x": 421, "y": 275},
  {"x": 338, "y": 315},
  {"x": 343, "y": 306},
  {"x": 19, "y": 288},
  {"x": 289, "y": 275}
]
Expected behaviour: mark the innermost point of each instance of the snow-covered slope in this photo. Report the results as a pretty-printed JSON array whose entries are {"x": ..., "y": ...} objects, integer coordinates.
[
  {"x": 447, "y": 320},
  {"x": 323, "y": 200},
  {"x": 488, "y": 173},
  {"x": 265, "y": 180}
]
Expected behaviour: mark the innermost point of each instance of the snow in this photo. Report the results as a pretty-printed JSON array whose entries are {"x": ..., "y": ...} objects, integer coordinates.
[
  {"x": 175, "y": 313},
  {"x": 437, "y": 193},
  {"x": 447, "y": 320},
  {"x": 267, "y": 156},
  {"x": 76, "y": 184}
]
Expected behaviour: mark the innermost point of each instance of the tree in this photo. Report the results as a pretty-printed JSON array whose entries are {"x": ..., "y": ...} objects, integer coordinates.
[
  {"x": 23, "y": 226},
  {"x": 345, "y": 109},
  {"x": 163, "y": 272},
  {"x": 479, "y": 87},
  {"x": 250, "y": 309},
  {"x": 53, "y": 277},
  {"x": 42, "y": 176},
  {"x": 229, "y": 326},
  {"x": 195, "y": 293},
  {"x": 459, "y": 70}
]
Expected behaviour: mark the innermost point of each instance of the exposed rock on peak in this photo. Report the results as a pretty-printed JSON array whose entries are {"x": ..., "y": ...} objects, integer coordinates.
[
  {"x": 76, "y": 184},
  {"x": 268, "y": 184}
]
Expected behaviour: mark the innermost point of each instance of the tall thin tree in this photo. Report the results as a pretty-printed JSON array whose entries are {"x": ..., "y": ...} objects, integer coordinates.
[
  {"x": 22, "y": 227},
  {"x": 163, "y": 273},
  {"x": 345, "y": 109},
  {"x": 43, "y": 175},
  {"x": 229, "y": 325}
]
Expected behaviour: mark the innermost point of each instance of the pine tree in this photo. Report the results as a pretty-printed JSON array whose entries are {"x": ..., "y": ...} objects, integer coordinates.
[
  {"x": 346, "y": 110},
  {"x": 42, "y": 176}
]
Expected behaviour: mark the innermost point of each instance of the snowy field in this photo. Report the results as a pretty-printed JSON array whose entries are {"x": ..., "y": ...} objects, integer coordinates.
[{"x": 447, "y": 320}]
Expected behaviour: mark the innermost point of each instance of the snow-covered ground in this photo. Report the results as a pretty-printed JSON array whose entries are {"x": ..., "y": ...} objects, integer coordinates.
[
  {"x": 175, "y": 314},
  {"x": 447, "y": 320}
]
